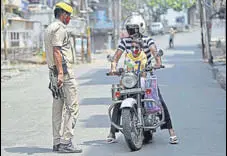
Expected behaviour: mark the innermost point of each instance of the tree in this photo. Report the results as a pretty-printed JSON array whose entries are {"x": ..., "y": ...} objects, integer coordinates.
[
  {"x": 127, "y": 7},
  {"x": 163, "y": 5},
  {"x": 158, "y": 7},
  {"x": 177, "y": 5}
]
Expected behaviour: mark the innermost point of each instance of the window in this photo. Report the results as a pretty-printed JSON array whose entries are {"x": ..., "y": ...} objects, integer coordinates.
[{"x": 14, "y": 36}]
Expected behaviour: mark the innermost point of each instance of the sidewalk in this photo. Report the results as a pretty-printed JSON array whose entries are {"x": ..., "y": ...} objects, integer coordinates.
[
  {"x": 14, "y": 68},
  {"x": 32, "y": 60},
  {"x": 219, "y": 59},
  {"x": 11, "y": 69},
  {"x": 220, "y": 75}
]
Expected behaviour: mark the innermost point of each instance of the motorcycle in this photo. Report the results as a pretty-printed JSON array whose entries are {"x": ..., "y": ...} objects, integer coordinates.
[{"x": 141, "y": 110}]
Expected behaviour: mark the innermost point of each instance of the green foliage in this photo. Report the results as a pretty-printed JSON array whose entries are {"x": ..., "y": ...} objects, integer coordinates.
[
  {"x": 157, "y": 7},
  {"x": 177, "y": 5},
  {"x": 129, "y": 5},
  {"x": 18, "y": 12}
]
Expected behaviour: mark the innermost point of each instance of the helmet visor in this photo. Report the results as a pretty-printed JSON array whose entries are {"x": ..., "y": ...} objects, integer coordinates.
[{"x": 132, "y": 29}]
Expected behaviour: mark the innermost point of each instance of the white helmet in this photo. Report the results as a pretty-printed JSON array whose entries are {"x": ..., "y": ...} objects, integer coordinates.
[{"x": 135, "y": 25}]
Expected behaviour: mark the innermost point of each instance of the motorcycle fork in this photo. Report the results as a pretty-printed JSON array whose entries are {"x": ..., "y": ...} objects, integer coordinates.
[
  {"x": 139, "y": 111},
  {"x": 139, "y": 107}
]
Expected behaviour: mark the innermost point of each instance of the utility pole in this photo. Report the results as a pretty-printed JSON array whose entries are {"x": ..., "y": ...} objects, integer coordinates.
[
  {"x": 110, "y": 17},
  {"x": 4, "y": 28},
  {"x": 44, "y": 2},
  {"x": 201, "y": 26},
  {"x": 119, "y": 18},
  {"x": 207, "y": 45},
  {"x": 137, "y": 5},
  {"x": 110, "y": 11},
  {"x": 88, "y": 33},
  {"x": 115, "y": 22}
]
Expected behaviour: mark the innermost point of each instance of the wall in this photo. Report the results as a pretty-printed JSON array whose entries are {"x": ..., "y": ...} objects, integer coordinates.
[
  {"x": 18, "y": 3},
  {"x": 44, "y": 17},
  {"x": 22, "y": 34},
  {"x": 100, "y": 42},
  {"x": 192, "y": 16},
  {"x": 16, "y": 26},
  {"x": 15, "y": 2}
]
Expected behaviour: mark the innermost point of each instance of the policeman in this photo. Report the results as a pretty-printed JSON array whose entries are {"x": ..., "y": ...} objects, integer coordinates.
[{"x": 62, "y": 81}]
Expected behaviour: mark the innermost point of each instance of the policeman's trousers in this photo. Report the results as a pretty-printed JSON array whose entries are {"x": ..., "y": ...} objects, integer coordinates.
[{"x": 65, "y": 112}]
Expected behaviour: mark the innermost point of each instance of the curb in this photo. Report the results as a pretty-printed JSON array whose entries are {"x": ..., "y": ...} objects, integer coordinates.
[
  {"x": 30, "y": 61},
  {"x": 220, "y": 77}
]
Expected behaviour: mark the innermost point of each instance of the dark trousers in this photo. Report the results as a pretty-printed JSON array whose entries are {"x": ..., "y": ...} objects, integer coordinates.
[
  {"x": 171, "y": 42},
  {"x": 116, "y": 115}
]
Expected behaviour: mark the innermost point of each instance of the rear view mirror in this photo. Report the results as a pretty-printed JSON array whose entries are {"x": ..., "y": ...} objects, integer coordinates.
[
  {"x": 110, "y": 58},
  {"x": 160, "y": 53}
]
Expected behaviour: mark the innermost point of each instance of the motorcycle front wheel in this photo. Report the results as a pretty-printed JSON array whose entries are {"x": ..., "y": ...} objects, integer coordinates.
[{"x": 132, "y": 133}]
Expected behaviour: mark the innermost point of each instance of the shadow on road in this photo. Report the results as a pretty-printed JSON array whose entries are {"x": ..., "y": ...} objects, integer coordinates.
[
  {"x": 98, "y": 77},
  {"x": 183, "y": 47},
  {"x": 98, "y": 147},
  {"x": 94, "y": 143},
  {"x": 96, "y": 121},
  {"x": 96, "y": 101},
  {"x": 28, "y": 150}
]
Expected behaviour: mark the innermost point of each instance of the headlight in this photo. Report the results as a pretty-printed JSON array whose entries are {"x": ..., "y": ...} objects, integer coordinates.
[{"x": 129, "y": 80}]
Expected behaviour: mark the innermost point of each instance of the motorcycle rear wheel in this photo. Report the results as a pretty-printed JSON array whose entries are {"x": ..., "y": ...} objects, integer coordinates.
[{"x": 133, "y": 135}]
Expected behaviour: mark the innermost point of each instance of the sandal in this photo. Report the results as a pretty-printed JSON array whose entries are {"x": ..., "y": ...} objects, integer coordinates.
[
  {"x": 111, "y": 139},
  {"x": 173, "y": 140}
]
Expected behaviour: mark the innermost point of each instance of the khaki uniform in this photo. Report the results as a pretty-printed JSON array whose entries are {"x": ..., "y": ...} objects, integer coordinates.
[{"x": 64, "y": 111}]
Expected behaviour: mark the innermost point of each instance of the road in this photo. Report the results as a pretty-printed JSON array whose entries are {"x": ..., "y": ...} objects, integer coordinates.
[{"x": 195, "y": 100}]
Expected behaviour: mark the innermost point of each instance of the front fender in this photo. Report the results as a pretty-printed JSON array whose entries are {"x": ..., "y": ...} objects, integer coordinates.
[{"x": 129, "y": 102}]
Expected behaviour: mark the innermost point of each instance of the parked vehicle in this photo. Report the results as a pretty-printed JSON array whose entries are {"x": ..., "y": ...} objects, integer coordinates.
[
  {"x": 141, "y": 110},
  {"x": 156, "y": 28}
]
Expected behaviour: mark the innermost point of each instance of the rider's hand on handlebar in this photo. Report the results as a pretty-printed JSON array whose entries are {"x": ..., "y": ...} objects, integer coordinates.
[
  {"x": 157, "y": 65},
  {"x": 112, "y": 72},
  {"x": 113, "y": 67}
]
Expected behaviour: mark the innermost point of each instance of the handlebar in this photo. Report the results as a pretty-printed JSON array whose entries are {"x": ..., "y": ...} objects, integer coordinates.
[
  {"x": 121, "y": 70},
  {"x": 117, "y": 73},
  {"x": 113, "y": 74},
  {"x": 153, "y": 67}
]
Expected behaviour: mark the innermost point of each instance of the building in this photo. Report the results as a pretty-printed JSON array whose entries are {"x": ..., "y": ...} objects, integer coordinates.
[
  {"x": 193, "y": 15},
  {"x": 41, "y": 13},
  {"x": 19, "y": 31},
  {"x": 102, "y": 25}
]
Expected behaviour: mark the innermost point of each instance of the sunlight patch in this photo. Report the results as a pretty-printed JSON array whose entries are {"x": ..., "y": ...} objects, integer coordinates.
[
  {"x": 168, "y": 65},
  {"x": 177, "y": 52}
]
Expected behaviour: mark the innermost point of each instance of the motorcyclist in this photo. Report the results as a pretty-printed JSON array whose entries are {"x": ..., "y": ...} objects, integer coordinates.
[{"x": 135, "y": 26}]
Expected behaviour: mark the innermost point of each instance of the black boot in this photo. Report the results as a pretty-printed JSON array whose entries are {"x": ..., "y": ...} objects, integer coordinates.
[
  {"x": 56, "y": 147},
  {"x": 69, "y": 148}
]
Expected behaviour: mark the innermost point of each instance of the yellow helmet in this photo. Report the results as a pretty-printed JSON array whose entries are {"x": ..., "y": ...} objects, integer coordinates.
[{"x": 66, "y": 7}]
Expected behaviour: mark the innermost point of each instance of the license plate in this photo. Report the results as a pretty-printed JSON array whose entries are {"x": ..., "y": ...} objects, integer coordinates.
[{"x": 130, "y": 91}]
